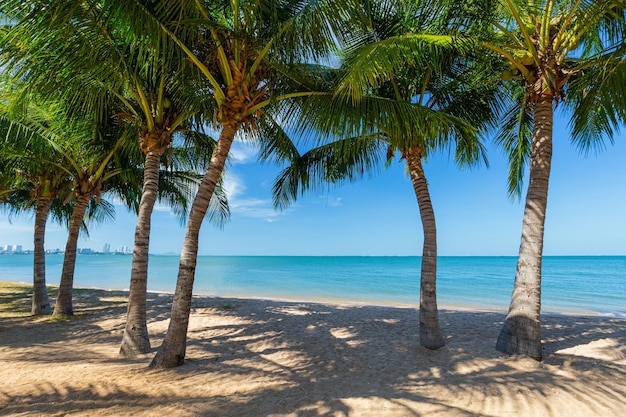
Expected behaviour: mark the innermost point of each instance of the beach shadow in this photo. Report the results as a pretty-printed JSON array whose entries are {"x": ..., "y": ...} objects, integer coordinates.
[
  {"x": 20, "y": 330},
  {"x": 337, "y": 357},
  {"x": 98, "y": 398},
  {"x": 298, "y": 359},
  {"x": 560, "y": 334}
]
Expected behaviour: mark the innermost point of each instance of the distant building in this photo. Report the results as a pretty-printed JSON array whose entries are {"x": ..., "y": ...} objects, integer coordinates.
[
  {"x": 13, "y": 249},
  {"x": 106, "y": 249},
  {"x": 123, "y": 250}
]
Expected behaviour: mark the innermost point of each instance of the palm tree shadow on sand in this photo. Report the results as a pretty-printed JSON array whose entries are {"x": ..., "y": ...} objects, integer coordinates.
[{"x": 264, "y": 358}]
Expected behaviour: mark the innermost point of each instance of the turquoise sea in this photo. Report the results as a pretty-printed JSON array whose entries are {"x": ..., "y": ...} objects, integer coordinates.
[{"x": 573, "y": 284}]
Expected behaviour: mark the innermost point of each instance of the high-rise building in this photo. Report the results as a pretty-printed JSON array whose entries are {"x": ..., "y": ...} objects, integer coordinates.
[{"x": 123, "y": 250}]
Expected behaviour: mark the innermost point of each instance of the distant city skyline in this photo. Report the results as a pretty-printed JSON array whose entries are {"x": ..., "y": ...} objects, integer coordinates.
[
  {"x": 106, "y": 249},
  {"x": 11, "y": 248}
]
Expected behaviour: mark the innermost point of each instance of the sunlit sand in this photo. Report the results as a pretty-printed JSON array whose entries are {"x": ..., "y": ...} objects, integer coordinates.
[{"x": 270, "y": 358}]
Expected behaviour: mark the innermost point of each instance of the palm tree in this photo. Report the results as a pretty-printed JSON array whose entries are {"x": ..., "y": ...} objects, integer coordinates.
[
  {"x": 553, "y": 48},
  {"x": 90, "y": 51},
  {"x": 34, "y": 182},
  {"x": 39, "y": 193},
  {"x": 35, "y": 139},
  {"x": 242, "y": 50},
  {"x": 89, "y": 167},
  {"x": 177, "y": 184},
  {"x": 435, "y": 91}
]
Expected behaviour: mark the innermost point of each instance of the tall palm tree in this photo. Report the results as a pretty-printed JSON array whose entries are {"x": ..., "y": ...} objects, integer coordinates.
[
  {"x": 38, "y": 192},
  {"x": 34, "y": 182},
  {"x": 241, "y": 48},
  {"x": 435, "y": 90},
  {"x": 89, "y": 167},
  {"x": 560, "y": 52},
  {"x": 89, "y": 49},
  {"x": 177, "y": 184}
]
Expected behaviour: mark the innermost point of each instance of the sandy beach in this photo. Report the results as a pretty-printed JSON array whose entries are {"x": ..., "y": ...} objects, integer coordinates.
[{"x": 269, "y": 358}]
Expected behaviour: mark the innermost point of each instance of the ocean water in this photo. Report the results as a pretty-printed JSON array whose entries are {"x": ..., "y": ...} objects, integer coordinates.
[{"x": 570, "y": 283}]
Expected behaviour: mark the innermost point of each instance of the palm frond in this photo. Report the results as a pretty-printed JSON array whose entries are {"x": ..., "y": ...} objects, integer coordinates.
[
  {"x": 219, "y": 210},
  {"x": 333, "y": 163},
  {"x": 514, "y": 137},
  {"x": 596, "y": 99},
  {"x": 101, "y": 212},
  {"x": 376, "y": 63},
  {"x": 314, "y": 27},
  {"x": 275, "y": 145}
]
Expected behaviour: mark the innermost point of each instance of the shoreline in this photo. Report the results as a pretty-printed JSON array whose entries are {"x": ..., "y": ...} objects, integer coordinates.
[
  {"x": 583, "y": 286},
  {"x": 371, "y": 303}
]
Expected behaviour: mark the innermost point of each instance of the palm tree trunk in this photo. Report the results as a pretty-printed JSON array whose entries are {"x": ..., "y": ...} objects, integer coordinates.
[
  {"x": 135, "y": 339},
  {"x": 430, "y": 334},
  {"x": 172, "y": 351},
  {"x": 64, "y": 300},
  {"x": 41, "y": 303},
  {"x": 521, "y": 333}
]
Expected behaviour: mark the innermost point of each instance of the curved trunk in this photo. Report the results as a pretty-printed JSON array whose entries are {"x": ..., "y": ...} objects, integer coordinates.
[
  {"x": 64, "y": 300},
  {"x": 430, "y": 334},
  {"x": 172, "y": 351},
  {"x": 521, "y": 333},
  {"x": 41, "y": 303},
  {"x": 135, "y": 339}
]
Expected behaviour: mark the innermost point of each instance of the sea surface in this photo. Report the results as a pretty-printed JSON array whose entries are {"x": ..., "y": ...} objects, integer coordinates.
[{"x": 571, "y": 284}]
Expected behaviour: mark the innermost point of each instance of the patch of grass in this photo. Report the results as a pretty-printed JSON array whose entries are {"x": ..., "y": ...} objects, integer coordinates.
[
  {"x": 15, "y": 299},
  {"x": 61, "y": 318}
]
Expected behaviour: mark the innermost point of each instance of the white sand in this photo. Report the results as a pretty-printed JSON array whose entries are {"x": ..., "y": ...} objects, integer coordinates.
[{"x": 266, "y": 358}]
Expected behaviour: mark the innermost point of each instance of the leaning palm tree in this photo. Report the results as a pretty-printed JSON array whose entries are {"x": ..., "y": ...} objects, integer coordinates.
[
  {"x": 90, "y": 167},
  {"x": 242, "y": 50},
  {"x": 90, "y": 51},
  {"x": 114, "y": 173},
  {"x": 177, "y": 183},
  {"x": 435, "y": 91},
  {"x": 233, "y": 46},
  {"x": 560, "y": 52}
]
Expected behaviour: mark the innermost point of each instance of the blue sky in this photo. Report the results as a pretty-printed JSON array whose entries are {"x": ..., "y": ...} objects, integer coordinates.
[{"x": 379, "y": 215}]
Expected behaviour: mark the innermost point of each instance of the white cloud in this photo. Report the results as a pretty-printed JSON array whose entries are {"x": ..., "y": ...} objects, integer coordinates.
[
  {"x": 243, "y": 152},
  {"x": 255, "y": 208},
  {"x": 249, "y": 207},
  {"x": 233, "y": 186}
]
